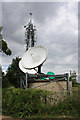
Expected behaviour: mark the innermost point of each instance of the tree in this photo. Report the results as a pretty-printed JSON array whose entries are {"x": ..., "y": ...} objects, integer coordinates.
[
  {"x": 3, "y": 45},
  {"x": 4, "y": 48},
  {"x": 0, "y": 76},
  {"x": 13, "y": 72},
  {"x": 5, "y": 81}
]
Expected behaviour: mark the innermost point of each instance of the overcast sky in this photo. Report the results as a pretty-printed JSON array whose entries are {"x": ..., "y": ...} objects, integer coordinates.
[{"x": 57, "y": 30}]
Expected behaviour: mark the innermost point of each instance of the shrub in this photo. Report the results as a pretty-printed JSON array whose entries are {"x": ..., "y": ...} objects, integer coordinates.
[
  {"x": 25, "y": 103},
  {"x": 21, "y": 102}
]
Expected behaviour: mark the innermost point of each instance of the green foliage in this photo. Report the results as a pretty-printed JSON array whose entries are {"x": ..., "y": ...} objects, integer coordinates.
[
  {"x": 5, "y": 48},
  {"x": 3, "y": 45},
  {"x": 23, "y": 103},
  {"x": 1, "y": 39},
  {"x": 5, "y": 81},
  {"x": 13, "y": 73},
  {"x": 31, "y": 102},
  {"x": 74, "y": 83},
  {"x": 68, "y": 107}
]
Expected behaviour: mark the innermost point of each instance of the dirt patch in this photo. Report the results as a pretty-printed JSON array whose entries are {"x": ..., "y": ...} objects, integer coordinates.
[
  {"x": 6, "y": 117},
  {"x": 64, "y": 116},
  {"x": 2, "y": 117}
]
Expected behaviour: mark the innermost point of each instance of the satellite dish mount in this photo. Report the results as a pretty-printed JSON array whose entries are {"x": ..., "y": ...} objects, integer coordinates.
[{"x": 33, "y": 55}]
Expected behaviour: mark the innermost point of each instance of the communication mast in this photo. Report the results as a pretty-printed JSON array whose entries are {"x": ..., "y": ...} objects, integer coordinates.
[{"x": 30, "y": 34}]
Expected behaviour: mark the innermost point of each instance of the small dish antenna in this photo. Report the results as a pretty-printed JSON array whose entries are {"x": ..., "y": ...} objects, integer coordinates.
[{"x": 34, "y": 57}]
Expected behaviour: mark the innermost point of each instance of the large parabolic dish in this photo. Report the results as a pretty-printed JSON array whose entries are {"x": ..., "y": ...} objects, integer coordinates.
[
  {"x": 34, "y": 57},
  {"x": 32, "y": 71}
]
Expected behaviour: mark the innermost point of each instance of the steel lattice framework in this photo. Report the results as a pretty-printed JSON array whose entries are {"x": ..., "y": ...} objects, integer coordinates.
[{"x": 30, "y": 34}]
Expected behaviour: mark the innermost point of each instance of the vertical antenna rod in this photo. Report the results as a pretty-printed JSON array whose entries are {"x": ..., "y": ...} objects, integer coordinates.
[{"x": 30, "y": 34}]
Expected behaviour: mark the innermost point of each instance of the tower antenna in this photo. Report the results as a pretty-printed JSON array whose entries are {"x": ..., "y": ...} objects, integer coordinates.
[
  {"x": 30, "y": 33},
  {"x": 30, "y": 17}
]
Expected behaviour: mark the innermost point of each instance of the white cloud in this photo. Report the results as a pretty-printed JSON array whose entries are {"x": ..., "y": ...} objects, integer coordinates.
[
  {"x": 57, "y": 29},
  {"x": 40, "y": 0}
]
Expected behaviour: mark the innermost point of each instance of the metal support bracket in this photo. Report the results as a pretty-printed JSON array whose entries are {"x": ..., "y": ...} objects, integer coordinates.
[
  {"x": 68, "y": 90},
  {"x": 26, "y": 80}
]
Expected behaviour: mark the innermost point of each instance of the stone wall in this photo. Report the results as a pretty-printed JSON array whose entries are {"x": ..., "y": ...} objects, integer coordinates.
[{"x": 58, "y": 88}]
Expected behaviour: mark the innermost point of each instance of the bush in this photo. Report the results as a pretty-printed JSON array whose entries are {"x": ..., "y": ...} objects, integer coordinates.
[{"x": 25, "y": 103}]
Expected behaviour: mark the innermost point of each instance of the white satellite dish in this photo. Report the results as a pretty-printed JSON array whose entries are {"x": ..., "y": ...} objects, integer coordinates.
[
  {"x": 32, "y": 71},
  {"x": 34, "y": 57}
]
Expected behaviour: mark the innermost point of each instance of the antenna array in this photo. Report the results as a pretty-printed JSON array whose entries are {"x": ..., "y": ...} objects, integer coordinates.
[{"x": 30, "y": 32}]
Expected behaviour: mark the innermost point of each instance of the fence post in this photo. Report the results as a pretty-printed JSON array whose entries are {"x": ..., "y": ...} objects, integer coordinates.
[
  {"x": 20, "y": 82},
  {"x": 68, "y": 90},
  {"x": 26, "y": 80}
]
